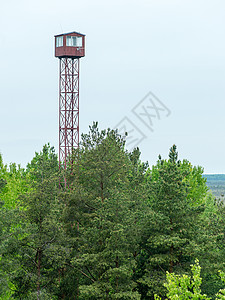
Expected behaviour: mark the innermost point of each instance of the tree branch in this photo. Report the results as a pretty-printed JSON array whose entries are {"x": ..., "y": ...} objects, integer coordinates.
[
  {"x": 90, "y": 273},
  {"x": 81, "y": 272}
]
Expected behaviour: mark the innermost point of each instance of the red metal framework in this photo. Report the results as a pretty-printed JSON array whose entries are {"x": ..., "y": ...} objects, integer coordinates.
[{"x": 68, "y": 109}]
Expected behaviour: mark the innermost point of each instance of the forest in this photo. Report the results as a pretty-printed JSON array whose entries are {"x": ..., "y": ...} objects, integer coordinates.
[{"x": 119, "y": 230}]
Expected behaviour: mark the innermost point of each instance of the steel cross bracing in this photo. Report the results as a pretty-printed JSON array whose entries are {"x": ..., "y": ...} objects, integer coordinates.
[{"x": 68, "y": 109}]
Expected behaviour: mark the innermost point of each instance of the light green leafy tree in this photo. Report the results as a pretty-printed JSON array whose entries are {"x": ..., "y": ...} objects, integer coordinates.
[
  {"x": 13, "y": 182},
  {"x": 36, "y": 248},
  {"x": 182, "y": 287},
  {"x": 221, "y": 294}
]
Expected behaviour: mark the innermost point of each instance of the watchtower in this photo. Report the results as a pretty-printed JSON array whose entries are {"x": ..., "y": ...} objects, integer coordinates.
[{"x": 69, "y": 48}]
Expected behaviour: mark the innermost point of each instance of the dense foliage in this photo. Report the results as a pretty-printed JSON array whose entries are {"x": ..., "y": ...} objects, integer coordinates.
[{"x": 119, "y": 229}]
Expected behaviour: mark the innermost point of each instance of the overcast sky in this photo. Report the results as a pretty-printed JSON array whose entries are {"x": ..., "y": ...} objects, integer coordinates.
[{"x": 174, "y": 49}]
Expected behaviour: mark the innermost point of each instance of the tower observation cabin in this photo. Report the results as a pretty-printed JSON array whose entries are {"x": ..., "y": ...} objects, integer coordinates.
[{"x": 70, "y": 45}]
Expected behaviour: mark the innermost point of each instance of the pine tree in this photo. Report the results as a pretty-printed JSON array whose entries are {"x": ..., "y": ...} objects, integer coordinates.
[
  {"x": 105, "y": 254},
  {"x": 170, "y": 231}
]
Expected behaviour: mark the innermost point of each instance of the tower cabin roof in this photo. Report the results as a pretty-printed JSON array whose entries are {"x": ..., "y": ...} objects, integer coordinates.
[{"x": 68, "y": 33}]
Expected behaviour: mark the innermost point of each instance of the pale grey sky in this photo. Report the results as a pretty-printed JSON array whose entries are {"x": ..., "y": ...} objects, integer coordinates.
[{"x": 173, "y": 48}]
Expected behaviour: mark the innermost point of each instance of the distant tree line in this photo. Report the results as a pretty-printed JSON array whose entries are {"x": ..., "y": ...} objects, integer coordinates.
[
  {"x": 216, "y": 183},
  {"x": 118, "y": 231}
]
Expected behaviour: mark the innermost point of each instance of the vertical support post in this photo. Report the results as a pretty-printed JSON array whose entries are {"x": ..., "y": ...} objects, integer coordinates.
[{"x": 68, "y": 111}]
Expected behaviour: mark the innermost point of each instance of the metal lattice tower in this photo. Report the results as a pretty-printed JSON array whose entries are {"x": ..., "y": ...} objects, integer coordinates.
[{"x": 68, "y": 108}]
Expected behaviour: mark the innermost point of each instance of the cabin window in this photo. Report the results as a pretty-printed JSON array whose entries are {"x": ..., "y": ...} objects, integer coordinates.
[
  {"x": 79, "y": 41},
  {"x": 71, "y": 41},
  {"x": 59, "y": 41},
  {"x": 74, "y": 41}
]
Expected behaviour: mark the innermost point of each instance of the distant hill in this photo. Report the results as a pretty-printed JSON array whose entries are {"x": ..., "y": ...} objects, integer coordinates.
[{"x": 216, "y": 182}]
